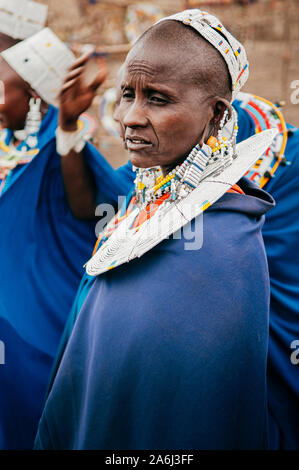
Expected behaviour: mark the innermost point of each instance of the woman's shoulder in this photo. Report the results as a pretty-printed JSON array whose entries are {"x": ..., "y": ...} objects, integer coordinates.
[{"x": 250, "y": 201}]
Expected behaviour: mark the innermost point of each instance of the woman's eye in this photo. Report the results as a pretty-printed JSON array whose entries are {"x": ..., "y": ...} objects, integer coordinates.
[
  {"x": 158, "y": 99},
  {"x": 128, "y": 94}
]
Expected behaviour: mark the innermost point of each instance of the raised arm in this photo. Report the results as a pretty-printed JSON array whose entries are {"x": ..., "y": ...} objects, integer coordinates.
[{"x": 76, "y": 97}]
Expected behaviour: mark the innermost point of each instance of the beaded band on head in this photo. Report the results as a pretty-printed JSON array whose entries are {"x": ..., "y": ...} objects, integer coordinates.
[
  {"x": 42, "y": 61},
  {"x": 232, "y": 51}
]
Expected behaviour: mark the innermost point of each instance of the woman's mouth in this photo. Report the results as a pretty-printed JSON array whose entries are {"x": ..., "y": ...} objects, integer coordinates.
[{"x": 137, "y": 143}]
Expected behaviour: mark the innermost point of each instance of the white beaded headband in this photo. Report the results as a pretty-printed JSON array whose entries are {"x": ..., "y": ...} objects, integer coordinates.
[
  {"x": 42, "y": 61},
  {"x": 20, "y": 19},
  {"x": 216, "y": 34}
]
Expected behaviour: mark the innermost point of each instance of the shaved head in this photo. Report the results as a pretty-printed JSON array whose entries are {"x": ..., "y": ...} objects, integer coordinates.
[{"x": 200, "y": 63}]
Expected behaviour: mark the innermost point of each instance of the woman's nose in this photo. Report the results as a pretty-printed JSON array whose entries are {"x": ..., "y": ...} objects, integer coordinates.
[{"x": 135, "y": 115}]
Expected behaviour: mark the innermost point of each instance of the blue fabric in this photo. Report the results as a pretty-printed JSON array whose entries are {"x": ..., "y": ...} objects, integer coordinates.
[
  {"x": 82, "y": 293},
  {"x": 169, "y": 350},
  {"x": 42, "y": 252},
  {"x": 281, "y": 237},
  {"x": 45, "y": 134}
]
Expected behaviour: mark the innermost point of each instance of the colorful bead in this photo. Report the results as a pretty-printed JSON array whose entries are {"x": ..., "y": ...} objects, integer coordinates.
[{"x": 212, "y": 142}]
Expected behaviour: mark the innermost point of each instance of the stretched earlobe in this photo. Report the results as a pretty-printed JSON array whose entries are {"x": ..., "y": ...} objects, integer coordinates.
[
  {"x": 223, "y": 108},
  {"x": 207, "y": 133},
  {"x": 222, "y": 113},
  {"x": 32, "y": 93}
]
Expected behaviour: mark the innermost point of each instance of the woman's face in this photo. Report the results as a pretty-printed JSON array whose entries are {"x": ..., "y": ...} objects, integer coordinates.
[
  {"x": 163, "y": 117},
  {"x": 15, "y": 105}
]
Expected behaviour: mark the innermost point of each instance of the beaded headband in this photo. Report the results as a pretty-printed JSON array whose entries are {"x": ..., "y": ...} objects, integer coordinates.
[
  {"x": 20, "y": 19},
  {"x": 42, "y": 61},
  {"x": 216, "y": 34}
]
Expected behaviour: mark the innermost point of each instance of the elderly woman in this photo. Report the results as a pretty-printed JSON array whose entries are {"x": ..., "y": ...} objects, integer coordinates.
[{"x": 169, "y": 350}]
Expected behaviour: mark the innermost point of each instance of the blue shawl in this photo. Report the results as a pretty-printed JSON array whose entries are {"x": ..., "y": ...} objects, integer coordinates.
[
  {"x": 169, "y": 351},
  {"x": 42, "y": 252}
]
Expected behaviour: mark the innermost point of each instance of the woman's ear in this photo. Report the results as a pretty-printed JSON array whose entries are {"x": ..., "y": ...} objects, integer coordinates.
[
  {"x": 207, "y": 132},
  {"x": 220, "y": 106},
  {"x": 44, "y": 106},
  {"x": 33, "y": 93}
]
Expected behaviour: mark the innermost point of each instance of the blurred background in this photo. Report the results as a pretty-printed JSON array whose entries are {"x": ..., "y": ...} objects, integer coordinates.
[{"x": 269, "y": 29}]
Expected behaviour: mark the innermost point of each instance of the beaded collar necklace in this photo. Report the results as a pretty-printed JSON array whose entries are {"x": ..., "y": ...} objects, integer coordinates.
[
  {"x": 266, "y": 115},
  {"x": 197, "y": 188},
  {"x": 11, "y": 156}
]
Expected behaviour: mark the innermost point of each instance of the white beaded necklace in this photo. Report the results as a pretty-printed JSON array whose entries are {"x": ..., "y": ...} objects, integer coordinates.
[{"x": 127, "y": 242}]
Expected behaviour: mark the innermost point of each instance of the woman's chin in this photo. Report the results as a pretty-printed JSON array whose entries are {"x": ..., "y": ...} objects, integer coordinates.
[{"x": 141, "y": 161}]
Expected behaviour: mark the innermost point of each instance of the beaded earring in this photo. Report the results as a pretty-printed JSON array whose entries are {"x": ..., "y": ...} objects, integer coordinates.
[
  {"x": 225, "y": 149},
  {"x": 33, "y": 122},
  {"x": 32, "y": 125}
]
